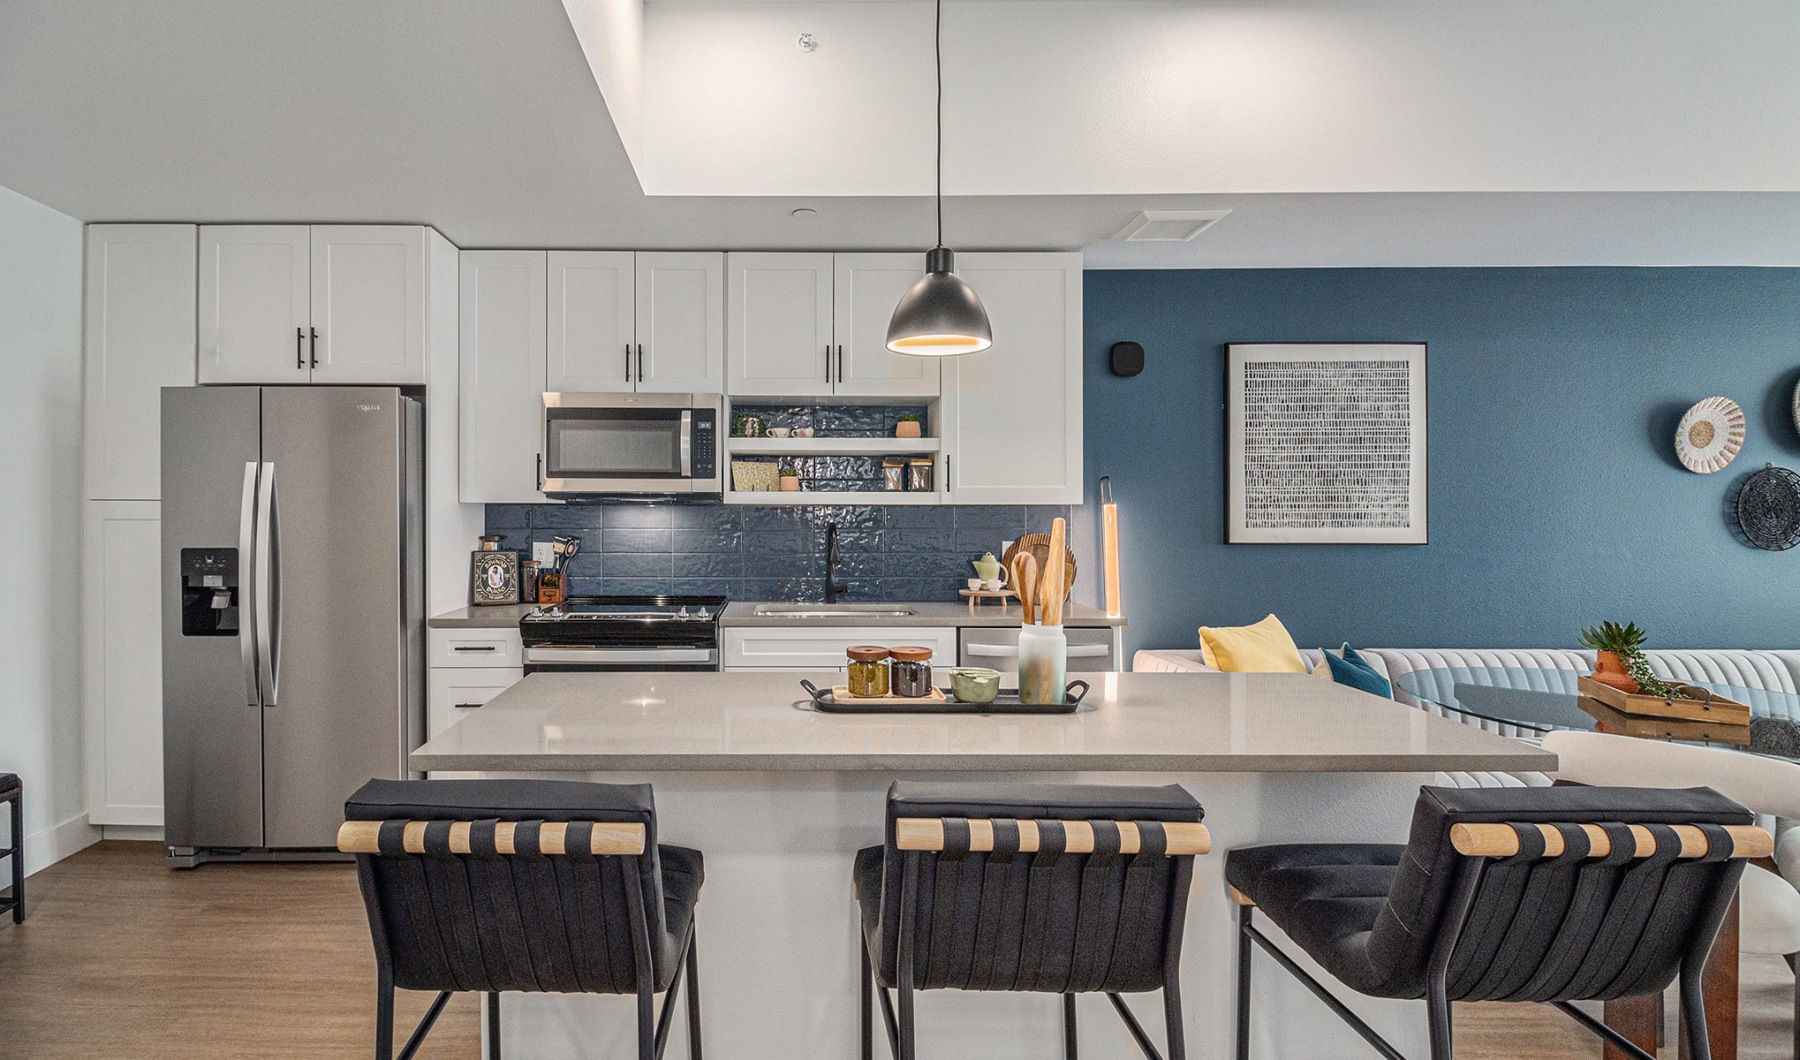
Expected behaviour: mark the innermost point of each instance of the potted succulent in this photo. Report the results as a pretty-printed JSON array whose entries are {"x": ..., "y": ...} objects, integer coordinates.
[
  {"x": 1619, "y": 659},
  {"x": 907, "y": 425},
  {"x": 790, "y": 479}
]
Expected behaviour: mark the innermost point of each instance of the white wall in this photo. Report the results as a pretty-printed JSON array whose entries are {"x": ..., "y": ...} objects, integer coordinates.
[{"x": 40, "y": 492}]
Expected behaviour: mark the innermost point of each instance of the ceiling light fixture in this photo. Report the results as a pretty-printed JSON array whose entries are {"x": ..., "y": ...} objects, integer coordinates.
[{"x": 941, "y": 316}]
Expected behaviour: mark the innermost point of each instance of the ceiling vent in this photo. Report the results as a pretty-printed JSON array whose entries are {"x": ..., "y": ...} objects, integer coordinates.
[{"x": 1167, "y": 226}]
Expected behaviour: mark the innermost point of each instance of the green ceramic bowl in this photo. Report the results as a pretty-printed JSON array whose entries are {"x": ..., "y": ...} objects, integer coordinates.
[{"x": 975, "y": 684}]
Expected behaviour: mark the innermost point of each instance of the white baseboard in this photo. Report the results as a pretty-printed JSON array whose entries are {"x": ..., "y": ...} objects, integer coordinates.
[
  {"x": 46, "y": 848},
  {"x": 135, "y": 833}
]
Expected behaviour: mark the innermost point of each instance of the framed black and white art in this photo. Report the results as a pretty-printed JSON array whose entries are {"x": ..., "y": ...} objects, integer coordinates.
[{"x": 1325, "y": 443}]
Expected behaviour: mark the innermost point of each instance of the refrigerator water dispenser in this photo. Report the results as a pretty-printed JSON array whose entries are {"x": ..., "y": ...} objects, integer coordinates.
[{"x": 209, "y": 592}]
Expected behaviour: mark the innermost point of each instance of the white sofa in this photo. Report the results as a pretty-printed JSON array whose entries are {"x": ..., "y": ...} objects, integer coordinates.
[{"x": 1757, "y": 672}]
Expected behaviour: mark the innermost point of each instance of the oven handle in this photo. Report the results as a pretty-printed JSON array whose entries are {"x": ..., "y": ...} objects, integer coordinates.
[
  {"x": 552, "y": 654},
  {"x": 687, "y": 443}
]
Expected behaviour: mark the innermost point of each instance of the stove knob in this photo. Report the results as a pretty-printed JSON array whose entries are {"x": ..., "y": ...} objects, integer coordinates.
[{"x": 684, "y": 613}]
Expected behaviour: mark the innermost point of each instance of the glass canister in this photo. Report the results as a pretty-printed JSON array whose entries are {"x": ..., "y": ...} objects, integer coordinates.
[
  {"x": 528, "y": 579},
  {"x": 918, "y": 476},
  {"x": 911, "y": 671},
  {"x": 868, "y": 671},
  {"x": 893, "y": 474}
]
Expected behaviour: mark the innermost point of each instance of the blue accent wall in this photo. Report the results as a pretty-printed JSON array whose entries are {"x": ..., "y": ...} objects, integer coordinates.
[{"x": 1556, "y": 497}]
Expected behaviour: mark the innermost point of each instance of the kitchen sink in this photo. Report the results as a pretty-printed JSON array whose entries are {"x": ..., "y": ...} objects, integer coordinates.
[{"x": 832, "y": 611}]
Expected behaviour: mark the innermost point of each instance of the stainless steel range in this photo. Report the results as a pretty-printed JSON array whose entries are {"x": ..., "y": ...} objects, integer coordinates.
[{"x": 623, "y": 633}]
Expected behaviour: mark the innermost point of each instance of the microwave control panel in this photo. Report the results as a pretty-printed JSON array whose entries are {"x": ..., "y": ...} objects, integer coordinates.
[{"x": 706, "y": 444}]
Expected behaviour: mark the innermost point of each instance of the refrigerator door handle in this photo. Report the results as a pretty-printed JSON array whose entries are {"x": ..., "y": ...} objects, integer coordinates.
[
  {"x": 247, "y": 592},
  {"x": 268, "y": 588}
]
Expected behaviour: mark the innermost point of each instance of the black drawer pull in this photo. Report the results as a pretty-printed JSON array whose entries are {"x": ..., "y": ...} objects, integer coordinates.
[
  {"x": 480, "y": 647},
  {"x": 467, "y": 706}
]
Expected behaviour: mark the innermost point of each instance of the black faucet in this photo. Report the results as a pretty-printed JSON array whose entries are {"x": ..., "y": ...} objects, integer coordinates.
[{"x": 832, "y": 559}]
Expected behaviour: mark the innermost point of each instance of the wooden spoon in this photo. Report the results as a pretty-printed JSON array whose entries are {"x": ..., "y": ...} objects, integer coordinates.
[{"x": 1028, "y": 596}]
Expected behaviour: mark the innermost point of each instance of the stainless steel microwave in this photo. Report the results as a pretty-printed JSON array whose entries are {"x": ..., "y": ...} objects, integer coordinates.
[{"x": 643, "y": 444}]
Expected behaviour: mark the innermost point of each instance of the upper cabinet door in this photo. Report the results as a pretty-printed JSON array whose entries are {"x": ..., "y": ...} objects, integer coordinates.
[
  {"x": 868, "y": 288},
  {"x": 778, "y": 333},
  {"x": 255, "y": 303},
  {"x": 592, "y": 302},
  {"x": 139, "y": 338},
  {"x": 368, "y": 304},
  {"x": 1011, "y": 414},
  {"x": 502, "y": 378},
  {"x": 681, "y": 322}
]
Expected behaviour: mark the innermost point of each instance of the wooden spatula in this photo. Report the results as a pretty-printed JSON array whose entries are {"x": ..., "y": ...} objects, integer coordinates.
[{"x": 1026, "y": 565}]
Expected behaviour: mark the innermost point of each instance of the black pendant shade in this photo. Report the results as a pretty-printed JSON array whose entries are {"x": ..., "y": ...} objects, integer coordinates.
[{"x": 940, "y": 316}]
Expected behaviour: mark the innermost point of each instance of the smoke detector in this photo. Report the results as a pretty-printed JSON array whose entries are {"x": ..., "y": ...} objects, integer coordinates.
[{"x": 1167, "y": 226}]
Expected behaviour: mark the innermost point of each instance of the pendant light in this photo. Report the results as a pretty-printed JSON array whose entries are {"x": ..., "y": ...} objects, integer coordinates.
[{"x": 941, "y": 316}]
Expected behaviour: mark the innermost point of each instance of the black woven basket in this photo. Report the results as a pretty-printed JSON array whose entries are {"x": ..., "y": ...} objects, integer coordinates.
[{"x": 1768, "y": 509}]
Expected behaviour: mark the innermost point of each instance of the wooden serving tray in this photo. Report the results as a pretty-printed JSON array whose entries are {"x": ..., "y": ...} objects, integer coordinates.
[
  {"x": 1617, "y": 721},
  {"x": 841, "y": 693},
  {"x": 1699, "y": 704},
  {"x": 839, "y": 701}
]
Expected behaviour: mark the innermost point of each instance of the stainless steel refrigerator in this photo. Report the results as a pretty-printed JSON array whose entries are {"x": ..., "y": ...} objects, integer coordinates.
[{"x": 292, "y": 570}]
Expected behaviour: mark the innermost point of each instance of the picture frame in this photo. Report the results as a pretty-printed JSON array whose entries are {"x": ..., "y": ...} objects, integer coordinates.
[
  {"x": 493, "y": 578},
  {"x": 1327, "y": 443}
]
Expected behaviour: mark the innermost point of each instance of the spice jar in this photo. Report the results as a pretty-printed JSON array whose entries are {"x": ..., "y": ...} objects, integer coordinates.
[
  {"x": 868, "y": 671},
  {"x": 528, "y": 579},
  {"x": 893, "y": 474},
  {"x": 911, "y": 671},
  {"x": 918, "y": 476}
]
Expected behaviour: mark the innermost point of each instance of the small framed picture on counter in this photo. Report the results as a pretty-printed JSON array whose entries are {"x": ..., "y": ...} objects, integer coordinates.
[{"x": 493, "y": 578}]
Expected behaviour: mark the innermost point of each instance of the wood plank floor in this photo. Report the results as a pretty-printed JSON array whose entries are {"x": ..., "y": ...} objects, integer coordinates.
[{"x": 124, "y": 958}]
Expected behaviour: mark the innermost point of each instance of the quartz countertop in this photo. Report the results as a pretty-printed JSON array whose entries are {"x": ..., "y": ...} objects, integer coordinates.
[
  {"x": 1129, "y": 722},
  {"x": 743, "y": 613}
]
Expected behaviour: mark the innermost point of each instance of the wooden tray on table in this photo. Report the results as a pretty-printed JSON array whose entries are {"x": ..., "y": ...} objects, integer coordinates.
[{"x": 1699, "y": 714}]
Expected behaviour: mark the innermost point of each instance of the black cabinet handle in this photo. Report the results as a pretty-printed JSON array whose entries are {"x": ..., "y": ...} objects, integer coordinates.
[
  {"x": 466, "y": 647},
  {"x": 840, "y": 364},
  {"x": 828, "y": 364},
  {"x": 315, "y": 347},
  {"x": 640, "y": 364},
  {"x": 628, "y": 362},
  {"x": 467, "y": 706},
  {"x": 300, "y": 349},
  {"x": 540, "y": 472}
]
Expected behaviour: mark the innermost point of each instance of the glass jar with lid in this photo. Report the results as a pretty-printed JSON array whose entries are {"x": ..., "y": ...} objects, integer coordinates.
[
  {"x": 911, "y": 671},
  {"x": 868, "y": 671}
]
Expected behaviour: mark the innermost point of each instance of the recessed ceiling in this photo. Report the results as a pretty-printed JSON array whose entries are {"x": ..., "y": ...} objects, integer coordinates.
[{"x": 486, "y": 121}]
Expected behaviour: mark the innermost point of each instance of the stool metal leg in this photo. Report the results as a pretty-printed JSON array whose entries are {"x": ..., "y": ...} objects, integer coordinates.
[
  {"x": 1243, "y": 981},
  {"x": 866, "y": 1024},
  {"x": 493, "y": 1025},
  {"x": 1069, "y": 1048},
  {"x": 693, "y": 992},
  {"x": 909, "y": 904},
  {"x": 384, "y": 1015},
  {"x": 18, "y": 857}
]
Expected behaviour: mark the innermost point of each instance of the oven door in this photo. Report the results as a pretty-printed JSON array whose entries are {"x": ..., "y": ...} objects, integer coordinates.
[
  {"x": 586, "y": 658},
  {"x": 630, "y": 443}
]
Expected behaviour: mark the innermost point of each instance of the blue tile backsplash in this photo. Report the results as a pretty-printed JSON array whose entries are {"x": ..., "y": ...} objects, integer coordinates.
[{"x": 773, "y": 553}]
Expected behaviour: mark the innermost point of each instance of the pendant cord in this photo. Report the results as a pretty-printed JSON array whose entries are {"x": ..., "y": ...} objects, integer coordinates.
[{"x": 938, "y": 54}]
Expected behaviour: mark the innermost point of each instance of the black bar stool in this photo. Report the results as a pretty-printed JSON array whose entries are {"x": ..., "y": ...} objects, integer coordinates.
[
  {"x": 530, "y": 885},
  {"x": 11, "y": 792},
  {"x": 1058, "y": 889},
  {"x": 1550, "y": 895}
]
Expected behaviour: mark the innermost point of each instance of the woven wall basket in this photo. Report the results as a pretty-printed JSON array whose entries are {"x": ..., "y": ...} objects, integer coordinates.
[{"x": 1710, "y": 435}]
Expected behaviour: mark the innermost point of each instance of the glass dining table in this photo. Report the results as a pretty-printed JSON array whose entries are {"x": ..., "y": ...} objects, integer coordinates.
[{"x": 1530, "y": 701}]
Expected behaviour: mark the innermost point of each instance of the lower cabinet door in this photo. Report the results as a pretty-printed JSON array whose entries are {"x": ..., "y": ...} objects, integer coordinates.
[
  {"x": 453, "y": 692},
  {"x": 997, "y": 648},
  {"x": 822, "y": 647},
  {"x": 121, "y": 686}
]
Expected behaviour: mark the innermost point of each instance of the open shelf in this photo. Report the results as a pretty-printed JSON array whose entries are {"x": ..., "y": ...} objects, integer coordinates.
[
  {"x": 831, "y": 446},
  {"x": 832, "y": 497}
]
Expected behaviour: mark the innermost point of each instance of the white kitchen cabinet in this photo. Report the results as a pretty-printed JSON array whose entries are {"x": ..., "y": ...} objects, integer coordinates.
[
  {"x": 139, "y": 337},
  {"x": 779, "y": 339},
  {"x": 502, "y": 384},
  {"x": 368, "y": 304},
  {"x": 452, "y": 693},
  {"x": 815, "y": 325},
  {"x": 680, "y": 322},
  {"x": 121, "y": 684},
  {"x": 592, "y": 330},
  {"x": 1011, "y": 416},
  {"x": 475, "y": 647},
  {"x": 822, "y": 647},
  {"x": 313, "y": 304},
  {"x": 255, "y": 303},
  {"x": 866, "y": 289}
]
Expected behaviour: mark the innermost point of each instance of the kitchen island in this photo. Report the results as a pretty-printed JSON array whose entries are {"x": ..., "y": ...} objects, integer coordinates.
[{"x": 779, "y": 798}]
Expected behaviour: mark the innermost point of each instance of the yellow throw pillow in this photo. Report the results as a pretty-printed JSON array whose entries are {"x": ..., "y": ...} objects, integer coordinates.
[{"x": 1264, "y": 648}]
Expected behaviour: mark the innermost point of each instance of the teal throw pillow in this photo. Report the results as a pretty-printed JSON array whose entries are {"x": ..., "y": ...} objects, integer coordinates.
[{"x": 1355, "y": 671}]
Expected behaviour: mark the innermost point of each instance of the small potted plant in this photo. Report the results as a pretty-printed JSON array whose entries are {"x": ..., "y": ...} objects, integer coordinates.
[
  {"x": 907, "y": 426},
  {"x": 790, "y": 479},
  {"x": 1619, "y": 659}
]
